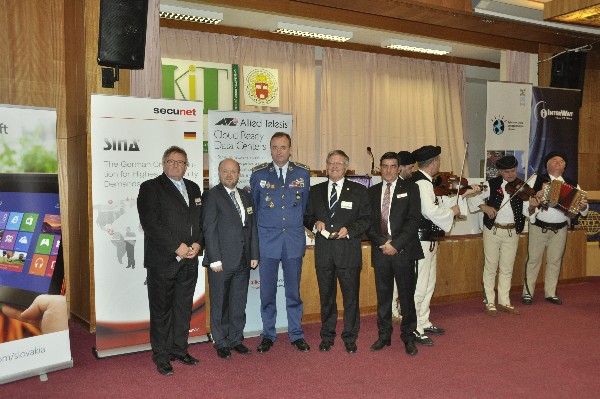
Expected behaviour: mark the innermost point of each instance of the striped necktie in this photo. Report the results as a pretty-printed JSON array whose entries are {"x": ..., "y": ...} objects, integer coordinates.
[
  {"x": 333, "y": 198},
  {"x": 385, "y": 210}
]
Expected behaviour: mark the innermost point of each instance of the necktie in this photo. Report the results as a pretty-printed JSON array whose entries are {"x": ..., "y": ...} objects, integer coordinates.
[
  {"x": 281, "y": 180},
  {"x": 183, "y": 192},
  {"x": 333, "y": 200},
  {"x": 237, "y": 206},
  {"x": 385, "y": 210}
]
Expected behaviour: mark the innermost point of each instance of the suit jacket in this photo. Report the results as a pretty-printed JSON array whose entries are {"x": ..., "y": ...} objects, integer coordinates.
[
  {"x": 280, "y": 210},
  {"x": 352, "y": 212},
  {"x": 167, "y": 220},
  {"x": 405, "y": 212},
  {"x": 225, "y": 237}
]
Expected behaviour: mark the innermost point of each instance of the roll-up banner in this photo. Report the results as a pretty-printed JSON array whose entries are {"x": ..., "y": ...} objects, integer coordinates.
[
  {"x": 554, "y": 127},
  {"x": 32, "y": 342},
  {"x": 246, "y": 137},
  {"x": 507, "y": 125},
  {"x": 128, "y": 138}
]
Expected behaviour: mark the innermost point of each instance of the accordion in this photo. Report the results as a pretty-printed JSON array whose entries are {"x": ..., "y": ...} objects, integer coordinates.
[{"x": 563, "y": 197}]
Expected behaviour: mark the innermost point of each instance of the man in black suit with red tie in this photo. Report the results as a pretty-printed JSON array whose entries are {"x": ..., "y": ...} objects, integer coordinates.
[
  {"x": 339, "y": 210},
  {"x": 231, "y": 239},
  {"x": 170, "y": 211},
  {"x": 395, "y": 248}
]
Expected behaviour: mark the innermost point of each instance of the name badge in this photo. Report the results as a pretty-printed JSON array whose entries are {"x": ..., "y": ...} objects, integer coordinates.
[
  {"x": 401, "y": 195},
  {"x": 198, "y": 201},
  {"x": 249, "y": 210},
  {"x": 346, "y": 205}
]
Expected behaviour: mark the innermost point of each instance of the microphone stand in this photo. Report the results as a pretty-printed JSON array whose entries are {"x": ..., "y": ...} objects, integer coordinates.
[{"x": 372, "y": 161}]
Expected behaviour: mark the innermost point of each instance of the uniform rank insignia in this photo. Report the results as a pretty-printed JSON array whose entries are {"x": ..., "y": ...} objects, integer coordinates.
[{"x": 261, "y": 166}]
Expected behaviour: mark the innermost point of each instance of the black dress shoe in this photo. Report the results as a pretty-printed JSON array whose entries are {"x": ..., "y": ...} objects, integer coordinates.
[
  {"x": 350, "y": 347},
  {"x": 325, "y": 346},
  {"x": 301, "y": 345},
  {"x": 165, "y": 368},
  {"x": 433, "y": 330},
  {"x": 555, "y": 300},
  {"x": 242, "y": 349},
  {"x": 423, "y": 339},
  {"x": 380, "y": 344},
  {"x": 264, "y": 346},
  {"x": 224, "y": 353},
  {"x": 187, "y": 359},
  {"x": 411, "y": 348},
  {"x": 527, "y": 300}
]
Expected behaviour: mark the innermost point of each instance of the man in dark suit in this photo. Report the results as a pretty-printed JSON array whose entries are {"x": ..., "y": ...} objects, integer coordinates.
[
  {"x": 339, "y": 210},
  {"x": 395, "y": 248},
  {"x": 231, "y": 240},
  {"x": 170, "y": 211}
]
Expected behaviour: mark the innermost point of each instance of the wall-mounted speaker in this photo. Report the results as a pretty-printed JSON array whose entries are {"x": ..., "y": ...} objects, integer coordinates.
[
  {"x": 568, "y": 70},
  {"x": 122, "y": 34}
]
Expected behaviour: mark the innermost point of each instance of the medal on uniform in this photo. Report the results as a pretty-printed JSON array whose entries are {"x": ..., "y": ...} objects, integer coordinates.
[
  {"x": 297, "y": 195},
  {"x": 271, "y": 205}
]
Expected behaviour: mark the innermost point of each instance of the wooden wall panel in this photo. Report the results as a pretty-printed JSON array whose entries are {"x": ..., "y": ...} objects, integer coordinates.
[
  {"x": 589, "y": 126},
  {"x": 459, "y": 273}
]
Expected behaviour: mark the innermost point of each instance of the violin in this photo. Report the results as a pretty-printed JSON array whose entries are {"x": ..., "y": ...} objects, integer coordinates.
[
  {"x": 446, "y": 183},
  {"x": 519, "y": 188}
]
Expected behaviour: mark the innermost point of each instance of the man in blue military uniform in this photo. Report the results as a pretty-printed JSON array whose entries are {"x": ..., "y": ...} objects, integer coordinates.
[{"x": 280, "y": 193}]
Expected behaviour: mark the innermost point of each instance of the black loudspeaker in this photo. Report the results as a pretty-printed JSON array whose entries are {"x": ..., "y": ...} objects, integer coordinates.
[
  {"x": 122, "y": 35},
  {"x": 568, "y": 71}
]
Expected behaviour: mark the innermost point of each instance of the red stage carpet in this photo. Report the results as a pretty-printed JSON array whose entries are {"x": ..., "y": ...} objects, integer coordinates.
[{"x": 548, "y": 351}]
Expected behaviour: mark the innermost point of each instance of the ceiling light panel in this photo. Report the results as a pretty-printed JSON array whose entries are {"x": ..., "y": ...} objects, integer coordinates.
[
  {"x": 312, "y": 32},
  {"x": 407, "y": 45},
  {"x": 190, "y": 14}
]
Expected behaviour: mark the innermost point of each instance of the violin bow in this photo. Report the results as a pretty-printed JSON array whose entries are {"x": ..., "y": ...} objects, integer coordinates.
[
  {"x": 462, "y": 169},
  {"x": 517, "y": 192}
]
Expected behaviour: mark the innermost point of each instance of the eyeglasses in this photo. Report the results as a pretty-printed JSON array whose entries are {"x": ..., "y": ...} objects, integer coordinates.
[
  {"x": 174, "y": 162},
  {"x": 335, "y": 163}
]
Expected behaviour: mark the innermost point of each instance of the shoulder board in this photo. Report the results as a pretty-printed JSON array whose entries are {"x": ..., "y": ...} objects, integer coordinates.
[
  {"x": 301, "y": 165},
  {"x": 261, "y": 166}
]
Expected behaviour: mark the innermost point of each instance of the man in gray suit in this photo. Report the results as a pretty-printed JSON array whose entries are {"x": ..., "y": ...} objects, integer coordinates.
[
  {"x": 170, "y": 210},
  {"x": 231, "y": 250}
]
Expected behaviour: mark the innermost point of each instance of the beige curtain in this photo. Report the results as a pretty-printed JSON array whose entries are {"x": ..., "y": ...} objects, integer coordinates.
[
  {"x": 390, "y": 104},
  {"x": 517, "y": 66},
  {"x": 295, "y": 63},
  {"x": 147, "y": 82}
]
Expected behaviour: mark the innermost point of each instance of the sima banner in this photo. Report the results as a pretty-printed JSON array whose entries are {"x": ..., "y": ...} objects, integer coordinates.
[{"x": 128, "y": 138}]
